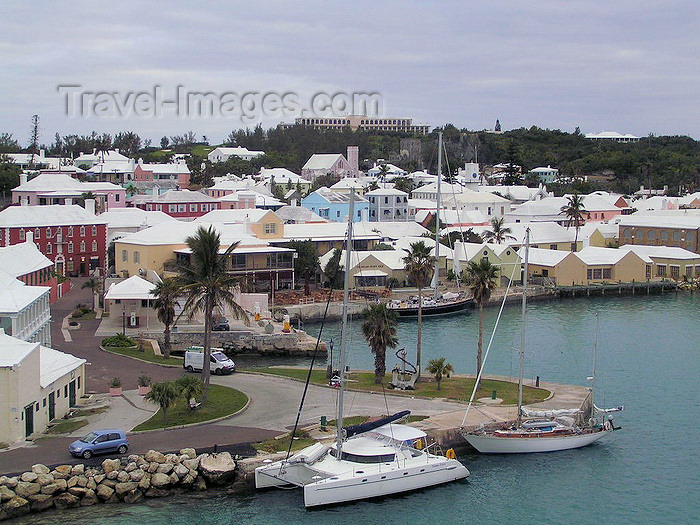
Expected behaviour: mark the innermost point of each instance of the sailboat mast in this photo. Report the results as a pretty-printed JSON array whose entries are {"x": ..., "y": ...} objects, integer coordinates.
[
  {"x": 344, "y": 329},
  {"x": 595, "y": 359},
  {"x": 437, "y": 215},
  {"x": 522, "y": 328}
]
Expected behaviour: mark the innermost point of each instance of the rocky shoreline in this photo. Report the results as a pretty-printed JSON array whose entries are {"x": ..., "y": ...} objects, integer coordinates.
[{"x": 128, "y": 480}]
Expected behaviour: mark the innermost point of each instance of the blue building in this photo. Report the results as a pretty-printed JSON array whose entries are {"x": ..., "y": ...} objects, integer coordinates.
[{"x": 334, "y": 206}]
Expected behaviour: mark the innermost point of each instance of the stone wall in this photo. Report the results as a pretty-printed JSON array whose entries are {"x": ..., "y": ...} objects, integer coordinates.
[
  {"x": 129, "y": 480},
  {"x": 295, "y": 343}
]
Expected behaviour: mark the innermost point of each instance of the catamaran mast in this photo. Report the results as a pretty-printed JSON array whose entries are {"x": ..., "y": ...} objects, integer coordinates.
[
  {"x": 344, "y": 329},
  {"x": 437, "y": 216},
  {"x": 595, "y": 359},
  {"x": 522, "y": 328}
]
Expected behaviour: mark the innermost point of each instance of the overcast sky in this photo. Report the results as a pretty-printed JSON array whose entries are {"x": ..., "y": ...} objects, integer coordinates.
[{"x": 626, "y": 66}]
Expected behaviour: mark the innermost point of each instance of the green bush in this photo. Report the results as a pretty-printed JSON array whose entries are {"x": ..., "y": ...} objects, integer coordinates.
[{"x": 119, "y": 341}]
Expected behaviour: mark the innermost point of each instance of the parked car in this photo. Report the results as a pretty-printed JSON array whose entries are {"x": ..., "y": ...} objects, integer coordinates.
[
  {"x": 100, "y": 442},
  {"x": 221, "y": 325},
  {"x": 219, "y": 362}
]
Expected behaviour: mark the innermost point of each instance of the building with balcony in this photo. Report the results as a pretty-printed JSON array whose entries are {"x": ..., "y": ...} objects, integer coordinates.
[
  {"x": 388, "y": 204},
  {"x": 334, "y": 206}
]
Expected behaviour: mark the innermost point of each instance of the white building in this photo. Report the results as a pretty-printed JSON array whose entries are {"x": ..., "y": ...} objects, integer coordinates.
[
  {"x": 24, "y": 310},
  {"x": 613, "y": 136},
  {"x": 222, "y": 154},
  {"x": 545, "y": 175},
  {"x": 39, "y": 384},
  {"x": 388, "y": 205}
]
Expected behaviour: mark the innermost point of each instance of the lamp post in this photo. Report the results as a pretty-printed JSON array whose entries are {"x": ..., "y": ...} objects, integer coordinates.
[
  {"x": 329, "y": 368},
  {"x": 123, "y": 320}
]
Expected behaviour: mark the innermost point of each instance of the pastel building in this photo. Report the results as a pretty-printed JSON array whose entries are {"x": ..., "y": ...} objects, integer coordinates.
[
  {"x": 334, "y": 206},
  {"x": 320, "y": 164},
  {"x": 24, "y": 310},
  {"x": 177, "y": 172},
  {"x": 222, "y": 154},
  {"x": 388, "y": 204},
  {"x": 180, "y": 204}
]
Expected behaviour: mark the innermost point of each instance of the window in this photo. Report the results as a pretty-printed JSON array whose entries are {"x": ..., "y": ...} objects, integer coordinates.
[
  {"x": 48, "y": 232},
  {"x": 70, "y": 231},
  {"x": 661, "y": 270},
  {"x": 337, "y": 213},
  {"x": 488, "y": 210},
  {"x": 94, "y": 229},
  {"x": 203, "y": 207},
  {"x": 676, "y": 235},
  {"x": 628, "y": 233},
  {"x": 94, "y": 246},
  {"x": 552, "y": 246},
  {"x": 675, "y": 272},
  {"x": 597, "y": 273},
  {"x": 22, "y": 234},
  {"x": 182, "y": 208},
  {"x": 172, "y": 208},
  {"x": 82, "y": 231},
  {"x": 664, "y": 235},
  {"x": 137, "y": 257},
  {"x": 238, "y": 261},
  {"x": 65, "y": 391},
  {"x": 271, "y": 228},
  {"x": 78, "y": 382},
  {"x": 116, "y": 197},
  {"x": 688, "y": 271},
  {"x": 37, "y": 233},
  {"x": 193, "y": 208},
  {"x": 648, "y": 271},
  {"x": 49, "y": 248},
  {"x": 652, "y": 235},
  {"x": 70, "y": 265},
  {"x": 70, "y": 247},
  {"x": 607, "y": 273},
  {"x": 125, "y": 256},
  {"x": 82, "y": 246}
]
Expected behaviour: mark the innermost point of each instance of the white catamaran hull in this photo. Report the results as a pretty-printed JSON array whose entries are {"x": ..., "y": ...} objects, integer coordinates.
[{"x": 489, "y": 444}]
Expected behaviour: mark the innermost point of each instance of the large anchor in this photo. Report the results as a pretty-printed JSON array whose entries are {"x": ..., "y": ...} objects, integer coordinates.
[{"x": 404, "y": 374}]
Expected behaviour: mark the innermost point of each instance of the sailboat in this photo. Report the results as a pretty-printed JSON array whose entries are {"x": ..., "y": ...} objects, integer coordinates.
[
  {"x": 365, "y": 461},
  {"x": 554, "y": 430}
]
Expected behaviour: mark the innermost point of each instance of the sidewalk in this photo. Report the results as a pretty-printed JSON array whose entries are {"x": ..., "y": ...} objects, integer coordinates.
[{"x": 125, "y": 412}]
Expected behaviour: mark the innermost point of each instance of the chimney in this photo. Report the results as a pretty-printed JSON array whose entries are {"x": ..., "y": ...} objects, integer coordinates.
[
  {"x": 22, "y": 178},
  {"x": 353, "y": 159},
  {"x": 90, "y": 205},
  {"x": 29, "y": 236},
  {"x": 68, "y": 201}
]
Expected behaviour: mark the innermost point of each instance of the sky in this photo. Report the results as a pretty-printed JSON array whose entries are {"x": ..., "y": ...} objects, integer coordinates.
[{"x": 631, "y": 67}]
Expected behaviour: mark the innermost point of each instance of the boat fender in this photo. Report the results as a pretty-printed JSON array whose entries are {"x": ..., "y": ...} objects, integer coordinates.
[
  {"x": 608, "y": 425},
  {"x": 450, "y": 454},
  {"x": 419, "y": 444}
]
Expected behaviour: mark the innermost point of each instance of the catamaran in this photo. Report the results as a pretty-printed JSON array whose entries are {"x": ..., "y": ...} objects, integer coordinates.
[
  {"x": 366, "y": 461},
  {"x": 551, "y": 430}
]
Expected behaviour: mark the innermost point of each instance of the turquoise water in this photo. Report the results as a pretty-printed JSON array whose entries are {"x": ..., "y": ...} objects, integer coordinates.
[{"x": 646, "y": 473}]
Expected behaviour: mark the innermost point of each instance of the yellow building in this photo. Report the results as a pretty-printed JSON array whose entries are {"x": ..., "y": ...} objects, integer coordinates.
[
  {"x": 668, "y": 262},
  {"x": 503, "y": 256}
]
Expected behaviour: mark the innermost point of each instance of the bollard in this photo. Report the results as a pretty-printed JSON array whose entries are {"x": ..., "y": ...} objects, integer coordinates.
[
  {"x": 537, "y": 382},
  {"x": 324, "y": 422},
  {"x": 493, "y": 394}
]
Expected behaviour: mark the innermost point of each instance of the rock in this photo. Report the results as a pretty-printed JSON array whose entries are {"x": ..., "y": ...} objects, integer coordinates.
[
  {"x": 110, "y": 465},
  {"x": 217, "y": 469},
  {"x": 113, "y": 475},
  {"x": 136, "y": 475},
  {"x": 29, "y": 477},
  {"x": 123, "y": 488},
  {"x": 171, "y": 458},
  {"x": 40, "y": 502},
  {"x": 133, "y": 458},
  {"x": 113, "y": 499},
  {"x": 122, "y": 476},
  {"x": 44, "y": 479},
  {"x": 157, "y": 493},
  {"x": 90, "y": 498},
  {"x": 142, "y": 463},
  {"x": 92, "y": 472},
  {"x": 104, "y": 492},
  {"x": 154, "y": 456},
  {"x": 16, "y": 507},
  {"x": 133, "y": 496},
  {"x": 61, "y": 473},
  {"x": 6, "y": 494},
  {"x": 159, "y": 480},
  {"x": 99, "y": 478},
  {"x": 24, "y": 489},
  {"x": 145, "y": 482},
  {"x": 181, "y": 471},
  {"x": 91, "y": 484},
  {"x": 174, "y": 480},
  {"x": 199, "y": 484},
  {"x": 72, "y": 481},
  {"x": 82, "y": 481},
  {"x": 182, "y": 458},
  {"x": 77, "y": 470},
  {"x": 109, "y": 482},
  {"x": 153, "y": 467},
  {"x": 10, "y": 483},
  {"x": 189, "y": 452},
  {"x": 52, "y": 488},
  {"x": 62, "y": 484},
  {"x": 78, "y": 491},
  {"x": 66, "y": 501},
  {"x": 131, "y": 466},
  {"x": 192, "y": 464},
  {"x": 165, "y": 468},
  {"x": 187, "y": 480},
  {"x": 40, "y": 469}
]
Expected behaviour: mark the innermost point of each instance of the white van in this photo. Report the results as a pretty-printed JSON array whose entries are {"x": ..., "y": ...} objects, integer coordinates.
[{"x": 220, "y": 363}]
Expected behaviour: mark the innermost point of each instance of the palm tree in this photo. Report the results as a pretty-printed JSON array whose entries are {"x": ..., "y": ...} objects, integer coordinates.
[
  {"x": 418, "y": 264},
  {"x": 379, "y": 329},
  {"x": 498, "y": 232},
  {"x": 439, "y": 369},
  {"x": 163, "y": 394},
  {"x": 481, "y": 279},
  {"x": 166, "y": 293},
  {"x": 206, "y": 285},
  {"x": 189, "y": 386},
  {"x": 575, "y": 213},
  {"x": 94, "y": 285}
]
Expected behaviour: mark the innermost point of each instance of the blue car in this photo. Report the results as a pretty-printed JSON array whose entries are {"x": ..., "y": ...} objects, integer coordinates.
[{"x": 100, "y": 442}]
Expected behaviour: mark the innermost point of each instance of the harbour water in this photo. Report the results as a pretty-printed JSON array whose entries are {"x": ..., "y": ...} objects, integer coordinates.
[{"x": 646, "y": 473}]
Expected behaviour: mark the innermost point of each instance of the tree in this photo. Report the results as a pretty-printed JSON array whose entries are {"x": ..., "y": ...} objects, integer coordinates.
[
  {"x": 575, "y": 213},
  {"x": 383, "y": 170},
  {"x": 498, "y": 232},
  {"x": 128, "y": 142},
  {"x": 8, "y": 144},
  {"x": 306, "y": 263},
  {"x": 379, "y": 329},
  {"x": 9, "y": 175},
  {"x": 512, "y": 176},
  {"x": 206, "y": 285},
  {"x": 418, "y": 264},
  {"x": 34, "y": 139},
  {"x": 163, "y": 394},
  {"x": 332, "y": 270},
  {"x": 94, "y": 286},
  {"x": 164, "y": 142},
  {"x": 166, "y": 294},
  {"x": 498, "y": 126},
  {"x": 439, "y": 369},
  {"x": 189, "y": 387},
  {"x": 481, "y": 280}
]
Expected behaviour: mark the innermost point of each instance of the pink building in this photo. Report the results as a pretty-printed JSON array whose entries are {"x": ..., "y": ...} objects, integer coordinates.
[
  {"x": 178, "y": 172},
  {"x": 60, "y": 188},
  {"x": 181, "y": 204}
]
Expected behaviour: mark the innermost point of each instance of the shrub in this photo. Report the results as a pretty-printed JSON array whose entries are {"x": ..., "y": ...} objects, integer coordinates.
[
  {"x": 144, "y": 380},
  {"x": 118, "y": 340},
  {"x": 115, "y": 383}
]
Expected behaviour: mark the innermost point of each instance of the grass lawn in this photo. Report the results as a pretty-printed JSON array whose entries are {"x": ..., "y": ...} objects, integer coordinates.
[
  {"x": 223, "y": 401},
  {"x": 67, "y": 426},
  {"x": 202, "y": 150},
  {"x": 89, "y": 315},
  {"x": 282, "y": 444},
  {"x": 146, "y": 355},
  {"x": 459, "y": 388}
]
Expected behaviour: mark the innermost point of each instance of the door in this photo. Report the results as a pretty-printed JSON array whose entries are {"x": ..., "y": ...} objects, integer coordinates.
[
  {"x": 102, "y": 443},
  {"x": 71, "y": 393},
  {"x": 52, "y": 406},
  {"x": 29, "y": 420}
]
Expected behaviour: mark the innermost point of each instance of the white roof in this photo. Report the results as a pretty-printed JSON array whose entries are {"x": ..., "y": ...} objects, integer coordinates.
[
  {"x": 282, "y": 176},
  {"x": 23, "y": 258},
  {"x": 132, "y": 288},
  {"x": 664, "y": 252},
  {"x": 387, "y": 191},
  {"x": 181, "y": 196},
  {"x": 51, "y": 182},
  {"x": 15, "y": 296},
  {"x": 328, "y": 231},
  {"x": 240, "y": 184},
  {"x": 111, "y": 155},
  {"x": 298, "y": 214},
  {"x": 54, "y": 365},
  {"x": 51, "y": 215},
  {"x": 665, "y": 220},
  {"x": 261, "y": 199},
  {"x": 176, "y": 232},
  {"x": 610, "y": 135},
  {"x": 398, "y": 229},
  {"x": 234, "y": 216},
  {"x": 544, "y": 257},
  {"x": 236, "y": 151},
  {"x": 540, "y": 232},
  {"x": 334, "y": 196},
  {"x": 321, "y": 161},
  {"x": 400, "y": 432},
  {"x": 12, "y": 350},
  {"x": 593, "y": 255},
  {"x": 134, "y": 217},
  {"x": 347, "y": 183},
  {"x": 174, "y": 168},
  {"x": 118, "y": 166}
]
